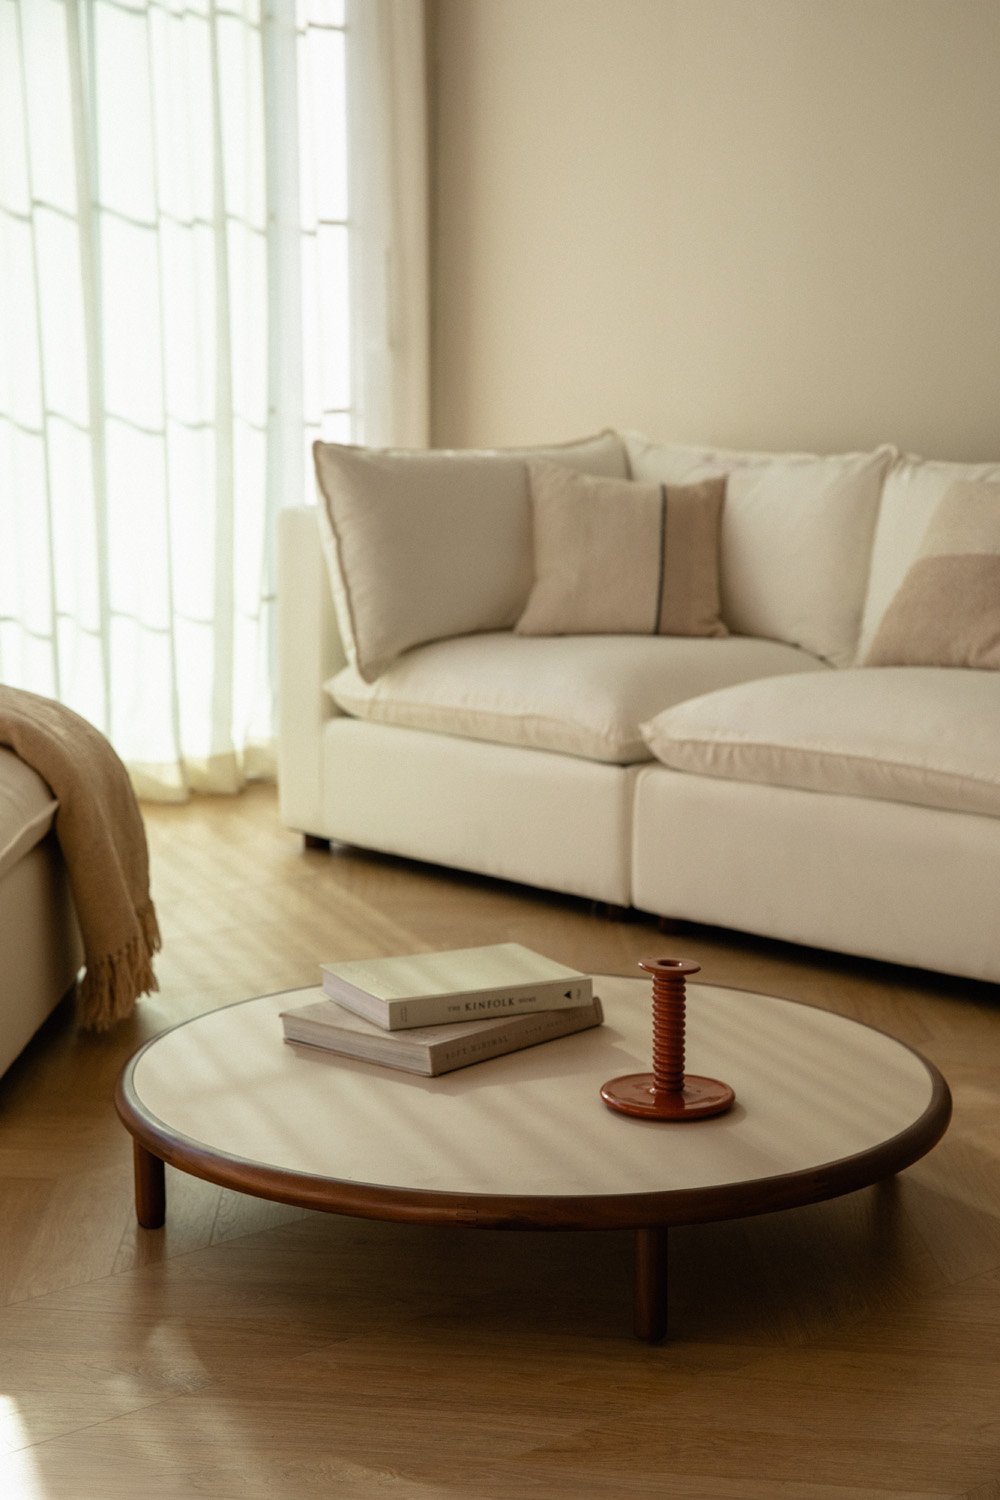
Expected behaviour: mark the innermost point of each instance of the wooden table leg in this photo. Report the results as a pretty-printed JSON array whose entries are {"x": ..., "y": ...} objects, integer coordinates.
[
  {"x": 150, "y": 1188},
  {"x": 650, "y": 1288}
]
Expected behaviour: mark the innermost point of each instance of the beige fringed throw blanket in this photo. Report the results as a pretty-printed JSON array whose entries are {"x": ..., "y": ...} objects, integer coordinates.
[{"x": 103, "y": 842}]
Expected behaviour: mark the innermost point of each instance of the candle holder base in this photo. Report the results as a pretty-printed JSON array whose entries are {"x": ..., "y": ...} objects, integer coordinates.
[{"x": 635, "y": 1094}]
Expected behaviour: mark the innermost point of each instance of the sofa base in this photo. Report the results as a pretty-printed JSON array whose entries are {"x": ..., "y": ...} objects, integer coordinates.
[
  {"x": 40, "y": 943},
  {"x": 547, "y": 820},
  {"x": 814, "y": 868}
]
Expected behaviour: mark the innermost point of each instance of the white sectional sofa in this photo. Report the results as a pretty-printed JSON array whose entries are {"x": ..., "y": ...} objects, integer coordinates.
[
  {"x": 39, "y": 938},
  {"x": 768, "y": 781}
]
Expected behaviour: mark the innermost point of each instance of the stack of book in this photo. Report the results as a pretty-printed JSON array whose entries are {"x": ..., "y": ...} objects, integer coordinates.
[{"x": 430, "y": 1013}]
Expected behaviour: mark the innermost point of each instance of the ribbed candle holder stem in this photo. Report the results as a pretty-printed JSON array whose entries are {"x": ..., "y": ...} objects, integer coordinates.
[
  {"x": 669, "y": 1018},
  {"x": 668, "y": 1093}
]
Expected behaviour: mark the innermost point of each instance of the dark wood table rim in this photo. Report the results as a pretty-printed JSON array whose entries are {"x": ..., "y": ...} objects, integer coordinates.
[{"x": 660, "y": 1209}]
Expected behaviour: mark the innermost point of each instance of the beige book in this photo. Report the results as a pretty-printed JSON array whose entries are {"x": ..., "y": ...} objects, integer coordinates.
[
  {"x": 462, "y": 984},
  {"x": 430, "y": 1050}
]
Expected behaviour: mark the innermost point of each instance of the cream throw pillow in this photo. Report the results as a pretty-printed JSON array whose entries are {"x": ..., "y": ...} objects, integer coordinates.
[
  {"x": 613, "y": 557},
  {"x": 946, "y": 612},
  {"x": 796, "y": 536},
  {"x": 422, "y": 545}
]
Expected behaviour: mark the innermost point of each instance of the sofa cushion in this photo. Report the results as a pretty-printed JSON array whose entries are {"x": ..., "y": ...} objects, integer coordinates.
[
  {"x": 615, "y": 556},
  {"x": 580, "y": 695},
  {"x": 796, "y": 536},
  {"x": 947, "y": 610},
  {"x": 926, "y": 735},
  {"x": 422, "y": 545},
  {"x": 27, "y": 809},
  {"x": 914, "y": 488}
]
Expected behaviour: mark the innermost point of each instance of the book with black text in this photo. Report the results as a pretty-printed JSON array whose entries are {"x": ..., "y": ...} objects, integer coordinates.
[
  {"x": 463, "y": 984},
  {"x": 430, "y": 1050}
]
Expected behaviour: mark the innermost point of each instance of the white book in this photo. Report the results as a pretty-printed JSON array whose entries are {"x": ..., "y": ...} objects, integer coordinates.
[
  {"x": 464, "y": 984},
  {"x": 430, "y": 1050}
]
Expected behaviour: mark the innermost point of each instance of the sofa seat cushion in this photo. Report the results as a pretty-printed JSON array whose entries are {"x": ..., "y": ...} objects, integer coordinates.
[
  {"x": 924, "y": 735},
  {"x": 579, "y": 695},
  {"x": 27, "y": 808}
]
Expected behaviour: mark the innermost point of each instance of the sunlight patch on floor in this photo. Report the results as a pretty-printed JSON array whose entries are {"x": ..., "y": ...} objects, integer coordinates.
[{"x": 27, "y": 1482}]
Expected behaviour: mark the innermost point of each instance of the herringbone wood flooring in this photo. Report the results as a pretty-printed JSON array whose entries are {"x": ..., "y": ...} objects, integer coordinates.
[{"x": 844, "y": 1352}]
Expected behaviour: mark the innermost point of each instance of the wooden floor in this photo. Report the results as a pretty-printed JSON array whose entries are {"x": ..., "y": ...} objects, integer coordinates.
[{"x": 844, "y": 1352}]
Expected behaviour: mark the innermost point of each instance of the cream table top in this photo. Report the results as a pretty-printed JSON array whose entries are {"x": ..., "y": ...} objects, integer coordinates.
[{"x": 823, "y": 1105}]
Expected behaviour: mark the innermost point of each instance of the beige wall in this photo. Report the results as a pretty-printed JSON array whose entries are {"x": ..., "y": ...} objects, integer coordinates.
[{"x": 763, "y": 222}]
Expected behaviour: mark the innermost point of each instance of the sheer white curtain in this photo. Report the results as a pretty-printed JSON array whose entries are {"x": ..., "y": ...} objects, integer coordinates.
[{"x": 213, "y": 251}]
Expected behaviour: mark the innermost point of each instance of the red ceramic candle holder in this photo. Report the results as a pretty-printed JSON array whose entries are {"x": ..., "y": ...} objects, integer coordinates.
[{"x": 668, "y": 1093}]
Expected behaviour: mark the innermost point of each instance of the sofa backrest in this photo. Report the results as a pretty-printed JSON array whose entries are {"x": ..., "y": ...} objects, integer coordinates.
[
  {"x": 913, "y": 489},
  {"x": 796, "y": 537}
]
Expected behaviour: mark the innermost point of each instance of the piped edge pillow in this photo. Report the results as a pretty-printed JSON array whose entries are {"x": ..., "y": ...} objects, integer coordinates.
[
  {"x": 425, "y": 544},
  {"x": 946, "y": 612},
  {"x": 614, "y": 557}
]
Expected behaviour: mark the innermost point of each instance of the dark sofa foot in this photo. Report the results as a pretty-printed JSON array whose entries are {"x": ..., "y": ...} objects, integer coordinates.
[
  {"x": 612, "y": 913},
  {"x": 316, "y": 841},
  {"x": 672, "y": 925}
]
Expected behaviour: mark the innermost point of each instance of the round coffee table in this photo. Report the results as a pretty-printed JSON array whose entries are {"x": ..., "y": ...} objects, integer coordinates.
[{"x": 824, "y": 1105}]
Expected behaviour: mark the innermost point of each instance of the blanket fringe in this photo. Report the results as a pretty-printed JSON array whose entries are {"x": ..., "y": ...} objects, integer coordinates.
[{"x": 111, "y": 985}]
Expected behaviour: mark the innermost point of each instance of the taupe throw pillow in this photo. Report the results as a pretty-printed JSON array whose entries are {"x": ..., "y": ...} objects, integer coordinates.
[
  {"x": 946, "y": 612},
  {"x": 614, "y": 557}
]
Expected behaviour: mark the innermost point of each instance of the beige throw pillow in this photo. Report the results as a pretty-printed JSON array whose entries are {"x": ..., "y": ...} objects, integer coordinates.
[
  {"x": 946, "y": 612},
  {"x": 613, "y": 557}
]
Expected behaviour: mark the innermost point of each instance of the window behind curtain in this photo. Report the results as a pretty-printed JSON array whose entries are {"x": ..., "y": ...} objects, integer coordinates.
[{"x": 174, "y": 332}]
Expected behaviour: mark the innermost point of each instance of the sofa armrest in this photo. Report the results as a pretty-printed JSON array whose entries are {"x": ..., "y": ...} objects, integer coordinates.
[{"x": 310, "y": 651}]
